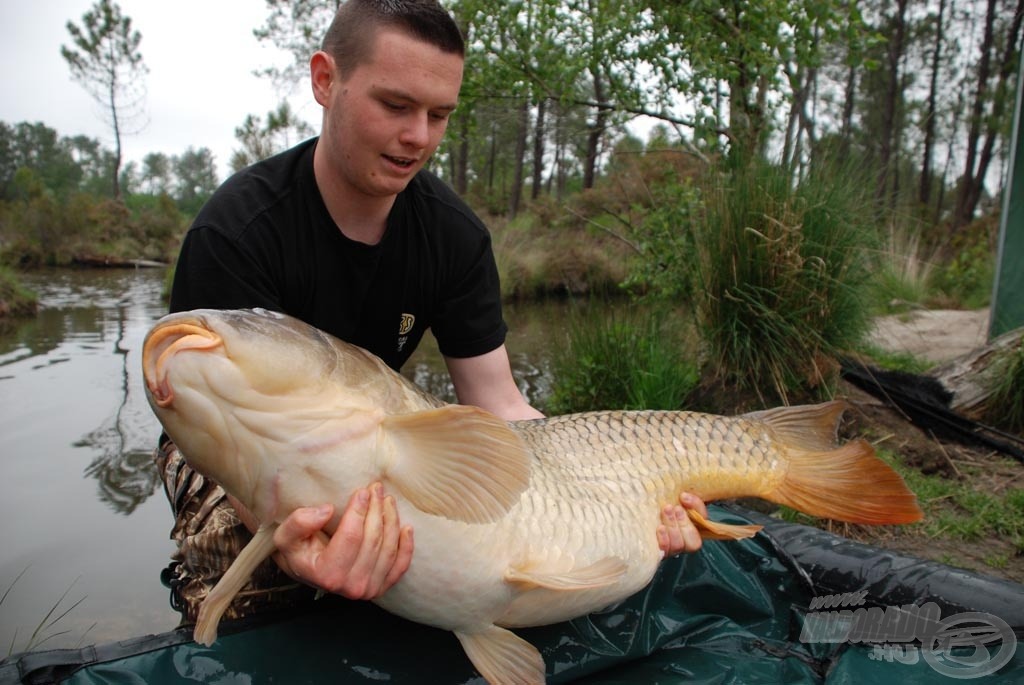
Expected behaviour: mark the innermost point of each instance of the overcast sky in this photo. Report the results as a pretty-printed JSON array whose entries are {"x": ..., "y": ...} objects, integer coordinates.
[{"x": 201, "y": 56}]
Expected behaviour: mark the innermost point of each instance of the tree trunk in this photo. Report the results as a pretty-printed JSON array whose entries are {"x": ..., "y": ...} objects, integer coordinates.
[
  {"x": 889, "y": 141},
  {"x": 925, "y": 190},
  {"x": 972, "y": 190},
  {"x": 964, "y": 209},
  {"x": 538, "y": 150},
  {"x": 595, "y": 130},
  {"x": 972, "y": 377},
  {"x": 522, "y": 132}
]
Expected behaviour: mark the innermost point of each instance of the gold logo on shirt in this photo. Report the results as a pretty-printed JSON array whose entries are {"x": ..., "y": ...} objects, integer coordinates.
[{"x": 408, "y": 321}]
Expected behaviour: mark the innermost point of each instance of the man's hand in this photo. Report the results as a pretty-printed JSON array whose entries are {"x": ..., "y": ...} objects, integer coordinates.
[
  {"x": 365, "y": 555},
  {"x": 677, "y": 534}
]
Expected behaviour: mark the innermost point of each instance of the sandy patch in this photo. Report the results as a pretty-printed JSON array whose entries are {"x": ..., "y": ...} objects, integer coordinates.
[{"x": 937, "y": 335}]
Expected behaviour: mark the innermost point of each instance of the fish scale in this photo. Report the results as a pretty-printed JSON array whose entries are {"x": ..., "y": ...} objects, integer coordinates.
[{"x": 517, "y": 524}]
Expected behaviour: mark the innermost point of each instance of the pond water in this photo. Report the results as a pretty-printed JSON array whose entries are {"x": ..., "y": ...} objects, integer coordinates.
[{"x": 83, "y": 518}]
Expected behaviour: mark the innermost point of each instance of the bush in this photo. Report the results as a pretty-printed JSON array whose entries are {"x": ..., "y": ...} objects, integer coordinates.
[
  {"x": 775, "y": 271},
  {"x": 15, "y": 300},
  {"x": 622, "y": 360}
]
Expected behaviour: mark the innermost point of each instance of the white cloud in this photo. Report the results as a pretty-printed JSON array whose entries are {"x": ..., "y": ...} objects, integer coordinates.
[{"x": 201, "y": 56}]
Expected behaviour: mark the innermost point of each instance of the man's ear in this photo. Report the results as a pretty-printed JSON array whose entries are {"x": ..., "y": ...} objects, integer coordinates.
[{"x": 322, "y": 75}]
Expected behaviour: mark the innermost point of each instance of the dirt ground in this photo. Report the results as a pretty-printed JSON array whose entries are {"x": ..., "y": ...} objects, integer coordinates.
[{"x": 938, "y": 336}]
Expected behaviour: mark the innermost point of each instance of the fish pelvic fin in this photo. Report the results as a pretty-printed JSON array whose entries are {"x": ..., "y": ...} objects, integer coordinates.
[
  {"x": 502, "y": 657},
  {"x": 234, "y": 579},
  {"x": 713, "y": 530},
  {"x": 599, "y": 574},
  {"x": 849, "y": 484},
  {"x": 459, "y": 462}
]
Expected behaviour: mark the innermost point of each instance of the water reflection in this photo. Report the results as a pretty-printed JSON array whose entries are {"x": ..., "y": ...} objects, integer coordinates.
[{"x": 76, "y": 434}]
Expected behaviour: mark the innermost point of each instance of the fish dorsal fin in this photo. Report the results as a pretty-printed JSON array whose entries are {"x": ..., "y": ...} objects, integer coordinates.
[
  {"x": 458, "y": 461},
  {"x": 599, "y": 574},
  {"x": 503, "y": 657},
  {"x": 809, "y": 427}
]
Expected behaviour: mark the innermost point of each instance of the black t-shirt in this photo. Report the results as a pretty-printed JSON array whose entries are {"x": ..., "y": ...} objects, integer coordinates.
[{"x": 266, "y": 239}]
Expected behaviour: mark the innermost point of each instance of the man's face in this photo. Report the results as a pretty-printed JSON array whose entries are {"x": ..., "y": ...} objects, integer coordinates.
[{"x": 384, "y": 119}]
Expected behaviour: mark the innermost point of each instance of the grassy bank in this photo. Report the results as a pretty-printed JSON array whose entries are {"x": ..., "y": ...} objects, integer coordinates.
[{"x": 15, "y": 300}]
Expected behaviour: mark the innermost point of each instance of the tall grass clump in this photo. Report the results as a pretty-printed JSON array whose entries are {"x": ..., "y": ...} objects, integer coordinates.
[
  {"x": 903, "y": 269},
  {"x": 775, "y": 271},
  {"x": 1005, "y": 406},
  {"x": 615, "y": 359}
]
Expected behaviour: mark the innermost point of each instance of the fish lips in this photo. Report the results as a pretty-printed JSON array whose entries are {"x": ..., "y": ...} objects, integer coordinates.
[{"x": 162, "y": 343}]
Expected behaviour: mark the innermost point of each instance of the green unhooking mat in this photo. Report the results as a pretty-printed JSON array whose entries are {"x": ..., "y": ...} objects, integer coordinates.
[{"x": 766, "y": 610}]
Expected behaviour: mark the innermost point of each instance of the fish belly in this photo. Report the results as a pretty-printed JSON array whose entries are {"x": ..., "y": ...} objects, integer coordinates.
[{"x": 457, "y": 579}]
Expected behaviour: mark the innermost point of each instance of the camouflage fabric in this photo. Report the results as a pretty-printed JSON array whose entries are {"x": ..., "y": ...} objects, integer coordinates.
[{"x": 209, "y": 536}]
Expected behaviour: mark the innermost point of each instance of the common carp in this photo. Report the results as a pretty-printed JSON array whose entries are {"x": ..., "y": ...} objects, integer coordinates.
[{"x": 517, "y": 524}]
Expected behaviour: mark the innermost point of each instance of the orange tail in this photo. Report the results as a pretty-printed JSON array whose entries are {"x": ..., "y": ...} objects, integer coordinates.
[{"x": 848, "y": 483}]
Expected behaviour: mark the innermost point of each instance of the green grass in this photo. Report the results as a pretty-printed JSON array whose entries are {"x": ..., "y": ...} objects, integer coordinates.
[
  {"x": 1005, "y": 406},
  {"x": 955, "y": 509},
  {"x": 775, "y": 270},
  {"x": 632, "y": 359},
  {"x": 15, "y": 299},
  {"x": 47, "y": 629}
]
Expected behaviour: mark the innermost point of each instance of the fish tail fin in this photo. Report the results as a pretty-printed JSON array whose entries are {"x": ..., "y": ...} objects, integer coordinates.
[
  {"x": 850, "y": 484},
  {"x": 847, "y": 483}
]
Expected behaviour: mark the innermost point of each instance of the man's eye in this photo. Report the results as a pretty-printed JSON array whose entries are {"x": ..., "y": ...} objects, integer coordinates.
[{"x": 394, "y": 106}]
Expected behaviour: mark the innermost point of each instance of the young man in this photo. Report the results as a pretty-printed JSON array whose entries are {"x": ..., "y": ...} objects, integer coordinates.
[{"x": 350, "y": 234}]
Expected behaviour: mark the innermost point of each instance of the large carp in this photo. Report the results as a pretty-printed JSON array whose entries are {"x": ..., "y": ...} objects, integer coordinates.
[{"x": 517, "y": 524}]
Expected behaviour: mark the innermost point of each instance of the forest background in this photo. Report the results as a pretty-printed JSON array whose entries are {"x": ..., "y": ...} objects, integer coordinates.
[{"x": 819, "y": 141}]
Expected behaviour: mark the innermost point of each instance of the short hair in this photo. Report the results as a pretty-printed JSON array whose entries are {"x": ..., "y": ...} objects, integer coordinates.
[{"x": 349, "y": 39}]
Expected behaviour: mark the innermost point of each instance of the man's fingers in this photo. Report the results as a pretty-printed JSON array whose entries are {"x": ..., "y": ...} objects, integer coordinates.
[
  {"x": 677, "y": 533},
  {"x": 364, "y": 583},
  {"x": 300, "y": 540},
  {"x": 367, "y": 553},
  {"x": 402, "y": 559},
  {"x": 302, "y": 524},
  {"x": 387, "y": 551},
  {"x": 691, "y": 501}
]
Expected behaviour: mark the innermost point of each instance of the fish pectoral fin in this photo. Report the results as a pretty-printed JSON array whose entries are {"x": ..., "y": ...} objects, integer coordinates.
[
  {"x": 503, "y": 657},
  {"x": 712, "y": 530},
  {"x": 459, "y": 462},
  {"x": 599, "y": 574},
  {"x": 234, "y": 579}
]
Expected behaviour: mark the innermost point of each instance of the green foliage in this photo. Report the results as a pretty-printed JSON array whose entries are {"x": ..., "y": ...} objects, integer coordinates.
[
  {"x": 967, "y": 278},
  {"x": 632, "y": 359},
  {"x": 1005, "y": 406},
  {"x": 104, "y": 58},
  {"x": 15, "y": 300},
  {"x": 773, "y": 269},
  {"x": 40, "y": 230},
  {"x": 896, "y": 361},
  {"x": 259, "y": 141}
]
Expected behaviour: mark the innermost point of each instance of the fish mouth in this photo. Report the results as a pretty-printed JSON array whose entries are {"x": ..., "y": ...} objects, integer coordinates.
[{"x": 163, "y": 343}]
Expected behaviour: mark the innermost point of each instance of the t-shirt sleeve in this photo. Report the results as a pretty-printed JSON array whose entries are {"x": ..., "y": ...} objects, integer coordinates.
[
  {"x": 469, "y": 321},
  {"x": 214, "y": 272}
]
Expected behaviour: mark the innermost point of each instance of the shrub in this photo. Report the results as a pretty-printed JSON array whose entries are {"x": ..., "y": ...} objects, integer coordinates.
[
  {"x": 775, "y": 271},
  {"x": 633, "y": 359}
]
